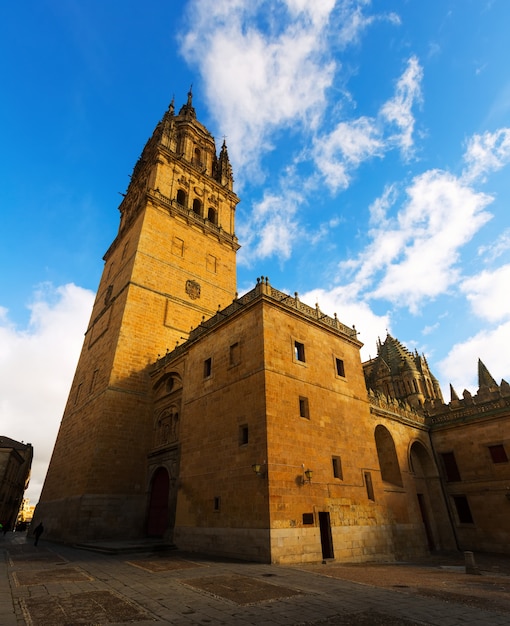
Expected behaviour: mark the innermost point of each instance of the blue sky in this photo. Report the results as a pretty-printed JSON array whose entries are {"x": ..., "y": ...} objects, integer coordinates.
[{"x": 370, "y": 142}]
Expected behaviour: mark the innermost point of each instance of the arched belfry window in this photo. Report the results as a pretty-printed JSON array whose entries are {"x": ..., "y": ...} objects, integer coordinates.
[
  {"x": 387, "y": 455},
  {"x": 197, "y": 157},
  {"x": 197, "y": 206},
  {"x": 212, "y": 215},
  {"x": 181, "y": 197}
]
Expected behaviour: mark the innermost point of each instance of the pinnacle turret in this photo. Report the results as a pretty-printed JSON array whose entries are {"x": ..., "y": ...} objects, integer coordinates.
[
  {"x": 484, "y": 377},
  {"x": 187, "y": 110}
]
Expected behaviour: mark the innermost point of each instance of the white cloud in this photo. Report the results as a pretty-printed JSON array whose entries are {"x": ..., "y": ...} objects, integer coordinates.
[
  {"x": 398, "y": 110},
  {"x": 496, "y": 248},
  {"x": 342, "y": 150},
  {"x": 486, "y": 153},
  {"x": 460, "y": 367},
  {"x": 351, "y": 311},
  {"x": 353, "y": 22},
  {"x": 488, "y": 294},
  {"x": 414, "y": 257},
  {"x": 36, "y": 368},
  {"x": 270, "y": 229},
  {"x": 260, "y": 78},
  {"x": 339, "y": 152}
]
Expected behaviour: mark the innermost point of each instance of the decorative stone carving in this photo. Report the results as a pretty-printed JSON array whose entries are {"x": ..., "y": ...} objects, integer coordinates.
[
  {"x": 193, "y": 289},
  {"x": 167, "y": 427}
]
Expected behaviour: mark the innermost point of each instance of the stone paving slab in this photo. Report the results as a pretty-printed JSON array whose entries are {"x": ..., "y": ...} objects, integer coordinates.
[
  {"x": 241, "y": 589},
  {"x": 163, "y": 564},
  {"x": 86, "y": 609},
  {"x": 47, "y": 576},
  {"x": 367, "y": 618},
  {"x": 21, "y": 560},
  {"x": 241, "y": 594}
]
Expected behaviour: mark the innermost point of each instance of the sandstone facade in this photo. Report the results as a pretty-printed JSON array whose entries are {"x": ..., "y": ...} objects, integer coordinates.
[{"x": 248, "y": 426}]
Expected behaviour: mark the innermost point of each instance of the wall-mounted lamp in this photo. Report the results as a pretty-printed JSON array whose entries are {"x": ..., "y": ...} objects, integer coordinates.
[
  {"x": 308, "y": 475},
  {"x": 259, "y": 469}
]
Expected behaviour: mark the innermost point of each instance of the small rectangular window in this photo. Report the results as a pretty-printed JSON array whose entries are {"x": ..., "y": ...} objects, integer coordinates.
[
  {"x": 299, "y": 351},
  {"x": 211, "y": 263},
  {"x": 235, "y": 353},
  {"x": 498, "y": 453},
  {"x": 450, "y": 468},
  {"x": 243, "y": 435},
  {"x": 337, "y": 467},
  {"x": 178, "y": 246},
  {"x": 216, "y": 503},
  {"x": 303, "y": 408},
  {"x": 307, "y": 518},
  {"x": 207, "y": 368},
  {"x": 340, "y": 369},
  {"x": 463, "y": 510},
  {"x": 369, "y": 486}
]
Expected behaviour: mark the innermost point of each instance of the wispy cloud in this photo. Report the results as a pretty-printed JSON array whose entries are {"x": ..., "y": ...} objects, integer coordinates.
[
  {"x": 339, "y": 152},
  {"x": 399, "y": 110},
  {"x": 493, "y": 251},
  {"x": 414, "y": 251},
  {"x": 486, "y": 153}
]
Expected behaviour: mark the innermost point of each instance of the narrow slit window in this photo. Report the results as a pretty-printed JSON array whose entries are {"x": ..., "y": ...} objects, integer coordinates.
[
  {"x": 243, "y": 435},
  {"x": 340, "y": 369},
  {"x": 337, "y": 467},
  {"x": 235, "y": 353},
  {"x": 304, "y": 410},
  {"x": 299, "y": 351},
  {"x": 208, "y": 367},
  {"x": 369, "y": 486}
]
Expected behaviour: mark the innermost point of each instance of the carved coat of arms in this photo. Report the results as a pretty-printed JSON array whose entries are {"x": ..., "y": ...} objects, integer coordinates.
[{"x": 193, "y": 289}]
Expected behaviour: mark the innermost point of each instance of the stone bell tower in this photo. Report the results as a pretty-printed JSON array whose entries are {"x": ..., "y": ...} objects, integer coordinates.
[{"x": 172, "y": 263}]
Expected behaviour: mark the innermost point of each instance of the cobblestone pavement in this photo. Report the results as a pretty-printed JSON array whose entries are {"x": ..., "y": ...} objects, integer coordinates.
[{"x": 54, "y": 585}]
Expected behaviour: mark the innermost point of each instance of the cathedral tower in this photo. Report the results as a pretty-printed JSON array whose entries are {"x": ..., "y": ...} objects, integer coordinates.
[
  {"x": 398, "y": 373},
  {"x": 172, "y": 263}
]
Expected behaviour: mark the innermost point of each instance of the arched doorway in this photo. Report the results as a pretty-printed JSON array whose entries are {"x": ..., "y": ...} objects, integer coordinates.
[
  {"x": 423, "y": 470},
  {"x": 157, "y": 518}
]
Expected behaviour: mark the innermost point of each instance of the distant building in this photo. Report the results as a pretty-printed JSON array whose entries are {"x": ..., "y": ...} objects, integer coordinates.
[
  {"x": 248, "y": 426},
  {"x": 25, "y": 514},
  {"x": 15, "y": 464}
]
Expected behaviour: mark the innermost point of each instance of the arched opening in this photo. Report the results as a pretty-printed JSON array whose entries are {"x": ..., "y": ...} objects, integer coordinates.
[
  {"x": 157, "y": 517},
  {"x": 197, "y": 157},
  {"x": 212, "y": 215},
  {"x": 387, "y": 455},
  {"x": 181, "y": 197},
  {"x": 424, "y": 471},
  {"x": 197, "y": 206}
]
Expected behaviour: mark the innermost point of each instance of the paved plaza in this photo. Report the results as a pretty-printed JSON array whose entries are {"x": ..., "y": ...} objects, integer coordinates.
[{"x": 54, "y": 585}]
